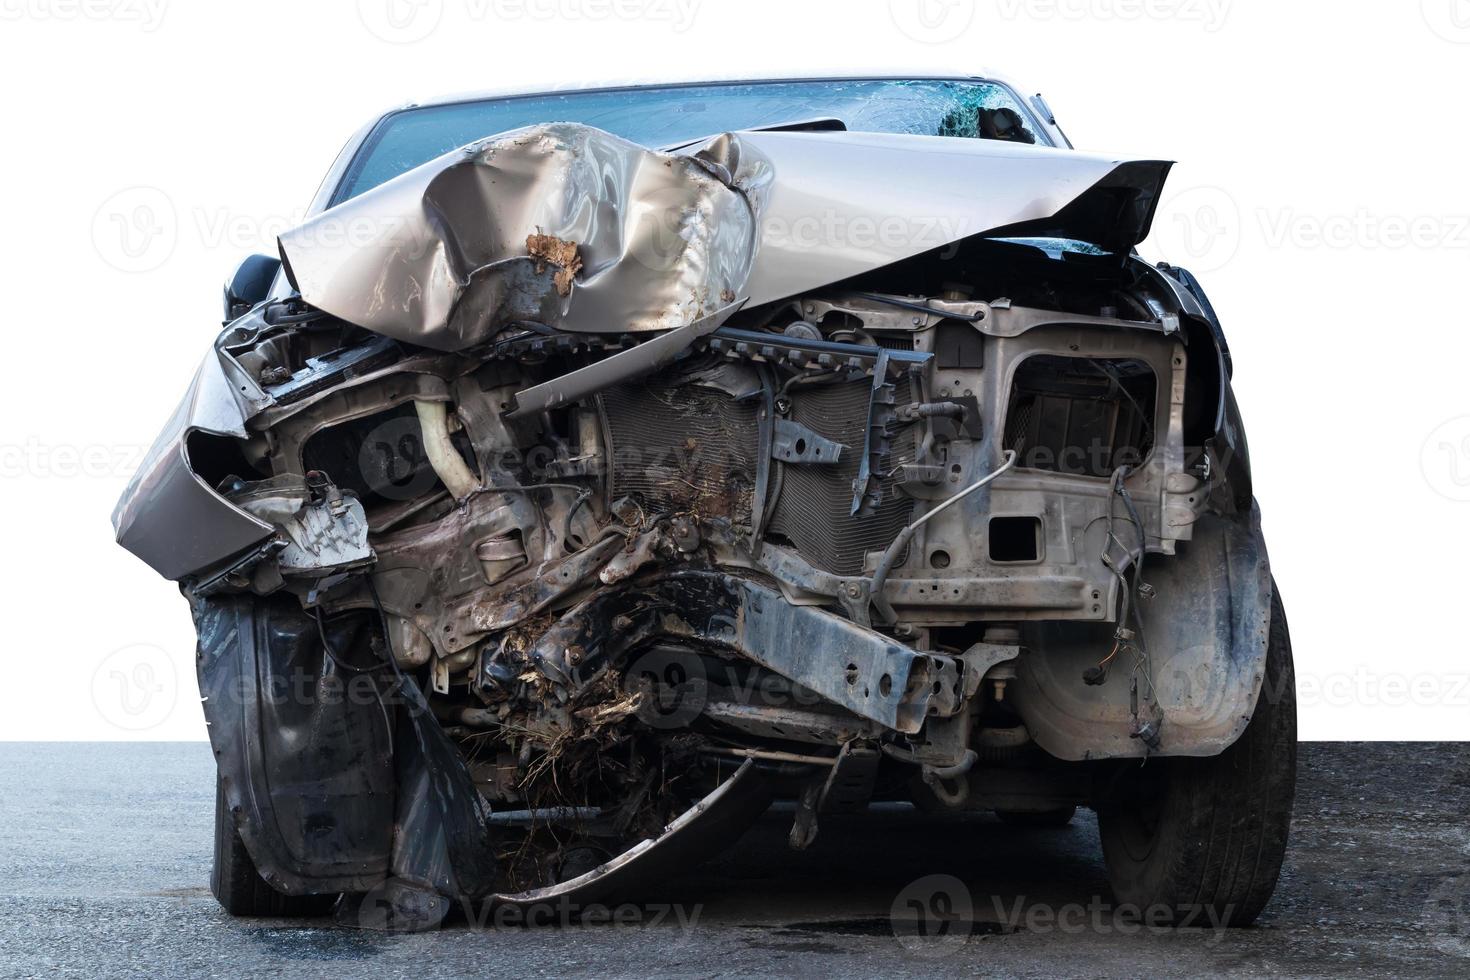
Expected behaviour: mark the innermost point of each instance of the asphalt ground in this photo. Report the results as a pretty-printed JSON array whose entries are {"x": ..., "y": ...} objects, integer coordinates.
[{"x": 105, "y": 852}]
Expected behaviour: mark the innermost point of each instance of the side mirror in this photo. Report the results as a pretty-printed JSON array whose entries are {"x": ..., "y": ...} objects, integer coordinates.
[{"x": 250, "y": 284}]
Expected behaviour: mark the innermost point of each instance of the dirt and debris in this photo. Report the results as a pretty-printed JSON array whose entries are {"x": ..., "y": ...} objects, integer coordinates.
[{"x": 550, "y": 250}]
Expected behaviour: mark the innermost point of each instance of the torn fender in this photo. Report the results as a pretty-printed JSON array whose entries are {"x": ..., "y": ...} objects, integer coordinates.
[
  {"x": 170, "y": 517},
  {"x": 446, "y": 254},
  {"x": 331, "y": 765},
  {"x": 1207, "y": 626},
  {"x": 305, "y": 748}
]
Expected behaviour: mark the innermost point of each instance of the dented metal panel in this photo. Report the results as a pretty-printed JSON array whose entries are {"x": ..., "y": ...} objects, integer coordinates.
[
  {"x": 442, "y": 256},
  {"x": 588, "y": 466},
  {"x": 168, "y": 515}
]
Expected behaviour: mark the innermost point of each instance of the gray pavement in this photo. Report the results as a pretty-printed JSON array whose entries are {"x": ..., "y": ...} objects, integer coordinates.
[{"x": 105, "y": 851}]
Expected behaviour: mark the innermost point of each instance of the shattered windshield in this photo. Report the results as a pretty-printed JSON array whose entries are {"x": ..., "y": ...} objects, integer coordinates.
[{"x": 662, "y": 117}]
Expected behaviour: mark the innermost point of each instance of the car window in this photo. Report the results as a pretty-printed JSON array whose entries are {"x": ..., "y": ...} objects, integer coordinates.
[{"x": 658, "y": 117}]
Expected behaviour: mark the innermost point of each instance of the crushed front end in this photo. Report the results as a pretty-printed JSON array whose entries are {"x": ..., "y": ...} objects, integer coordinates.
[{"x": 537, "y": 544}]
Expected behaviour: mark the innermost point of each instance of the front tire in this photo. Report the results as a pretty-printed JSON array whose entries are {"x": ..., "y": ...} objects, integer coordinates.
[
  {"x": 238, "y": 886},
  {"x": 1203, "y": 839}
]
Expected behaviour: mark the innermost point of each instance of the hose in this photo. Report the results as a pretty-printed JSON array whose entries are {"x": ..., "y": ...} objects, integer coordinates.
[
  {"x": 885, "y": 564},
  {"x": 448, "y": 464}
]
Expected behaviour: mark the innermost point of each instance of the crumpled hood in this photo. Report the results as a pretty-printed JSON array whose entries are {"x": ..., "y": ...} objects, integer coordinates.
[{"x": 574, "y": 228}]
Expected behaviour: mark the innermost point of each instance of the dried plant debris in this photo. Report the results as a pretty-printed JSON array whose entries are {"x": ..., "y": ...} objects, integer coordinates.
[{"x": 550, "y": 250}]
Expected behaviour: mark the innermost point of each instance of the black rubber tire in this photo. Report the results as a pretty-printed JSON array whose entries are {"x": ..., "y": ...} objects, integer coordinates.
[
  {"x": 1059, "y": 817},
  {"x": 1203, "y": 839},
  {"x": 239, "y": 888}
]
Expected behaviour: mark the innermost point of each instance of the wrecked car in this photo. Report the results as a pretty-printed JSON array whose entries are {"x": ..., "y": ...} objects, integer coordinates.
[{"x": 593, "y": 468}]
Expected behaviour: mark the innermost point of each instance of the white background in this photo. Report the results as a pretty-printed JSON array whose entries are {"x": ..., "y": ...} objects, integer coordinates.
[{"x": 1321, "y": 194}]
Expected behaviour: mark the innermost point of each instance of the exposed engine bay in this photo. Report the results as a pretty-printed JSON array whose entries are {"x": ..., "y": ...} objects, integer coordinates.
[{"x": 579, "y": 554}]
